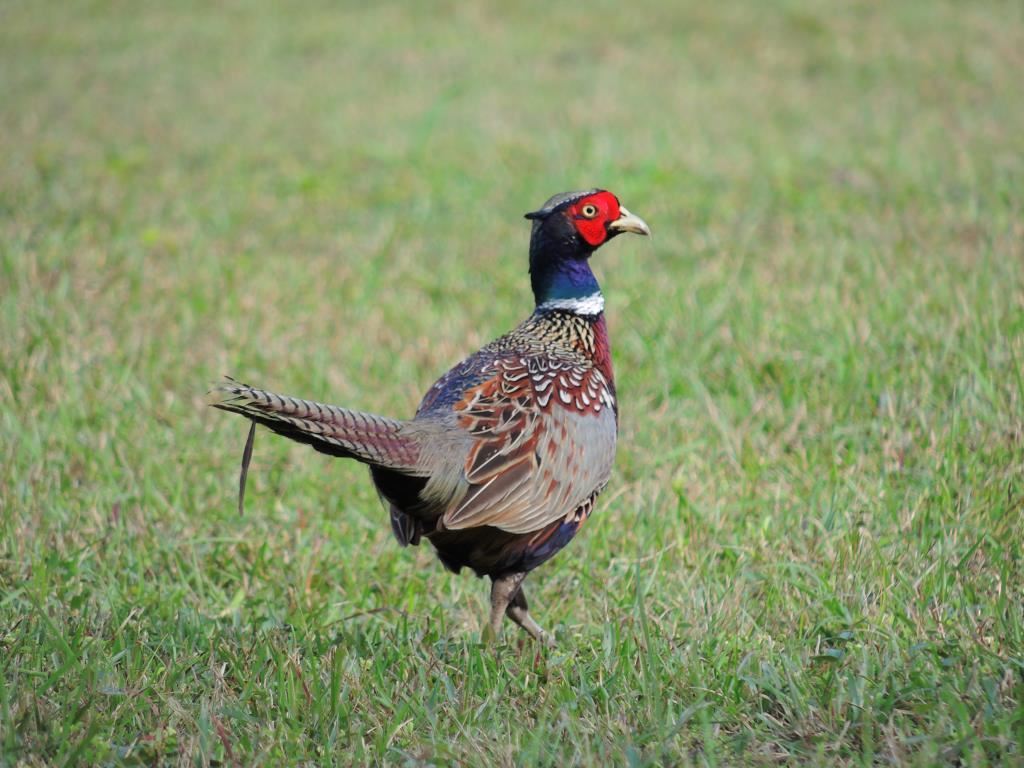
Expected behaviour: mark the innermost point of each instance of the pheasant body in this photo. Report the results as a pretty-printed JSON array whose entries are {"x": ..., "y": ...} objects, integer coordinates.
[
  {"x": 531, "y": 399},
  {"x": 507, "y": 452}
]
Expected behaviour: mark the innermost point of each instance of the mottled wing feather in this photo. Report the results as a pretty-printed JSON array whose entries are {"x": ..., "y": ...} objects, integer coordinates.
[{"x": 527, "y": 467}]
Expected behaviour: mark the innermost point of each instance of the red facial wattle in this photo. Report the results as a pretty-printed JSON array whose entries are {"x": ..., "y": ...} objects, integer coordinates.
[{"x": 592, "y": 214}]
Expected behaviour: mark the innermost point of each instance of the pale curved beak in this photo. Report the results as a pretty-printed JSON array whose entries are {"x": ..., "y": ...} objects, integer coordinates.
[{"x": 629, "y": 222}]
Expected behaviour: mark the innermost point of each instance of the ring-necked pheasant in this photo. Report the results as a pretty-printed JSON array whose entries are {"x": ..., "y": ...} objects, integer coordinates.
[{"x": 508, "y": 450}]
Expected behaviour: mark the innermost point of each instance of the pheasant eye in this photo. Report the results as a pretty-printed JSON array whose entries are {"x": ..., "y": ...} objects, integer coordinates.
[{"x": 589, "y": 211}]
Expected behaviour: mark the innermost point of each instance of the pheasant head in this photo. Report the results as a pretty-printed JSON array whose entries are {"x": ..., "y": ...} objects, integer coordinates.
[{"x": 567, "y": 230}]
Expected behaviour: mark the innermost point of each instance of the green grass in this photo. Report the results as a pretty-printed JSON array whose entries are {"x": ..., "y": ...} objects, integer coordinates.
[{"x": 811, "y": 551}]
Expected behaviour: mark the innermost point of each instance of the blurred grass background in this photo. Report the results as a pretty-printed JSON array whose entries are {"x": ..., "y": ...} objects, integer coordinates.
[{"x": 811, "y": 550}]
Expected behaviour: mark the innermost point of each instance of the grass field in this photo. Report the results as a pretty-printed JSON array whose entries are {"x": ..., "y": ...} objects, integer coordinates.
[{"x": 811, "y": 551}]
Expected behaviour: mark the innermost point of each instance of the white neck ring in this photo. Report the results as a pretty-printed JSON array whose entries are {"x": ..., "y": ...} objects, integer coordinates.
[{"x": 584, "y": 305}]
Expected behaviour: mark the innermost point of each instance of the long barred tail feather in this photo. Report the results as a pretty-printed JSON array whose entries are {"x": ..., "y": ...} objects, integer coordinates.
[
  {"x": 244, "y": 473},
  {"x": 366, "y": 437}
]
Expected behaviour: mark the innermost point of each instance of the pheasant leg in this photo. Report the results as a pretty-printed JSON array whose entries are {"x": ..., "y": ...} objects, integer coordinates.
[
  {"x": 503, "y": 589},
  {"x": 518, "y": 611}
]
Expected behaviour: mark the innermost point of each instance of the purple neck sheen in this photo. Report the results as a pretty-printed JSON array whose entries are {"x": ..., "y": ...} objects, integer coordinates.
[{"x": 562, "y": 278}]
